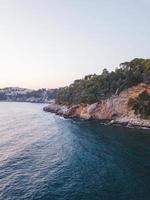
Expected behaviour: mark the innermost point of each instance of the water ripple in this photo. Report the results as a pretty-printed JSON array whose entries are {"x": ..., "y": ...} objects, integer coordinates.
[{"x": 46, "y": 157}]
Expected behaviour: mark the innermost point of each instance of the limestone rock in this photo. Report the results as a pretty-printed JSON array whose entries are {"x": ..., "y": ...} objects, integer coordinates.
[{"x": 115, "y": 109}]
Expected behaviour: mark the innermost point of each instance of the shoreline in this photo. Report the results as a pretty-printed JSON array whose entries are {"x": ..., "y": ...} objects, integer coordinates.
[
  {"x": 114, "y": 110},
  {"x": 64, "y": 111}
]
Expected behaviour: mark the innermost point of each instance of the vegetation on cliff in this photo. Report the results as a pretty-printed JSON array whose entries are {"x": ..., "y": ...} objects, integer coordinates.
[
  {"x": 93, "y": 88},
  {"x": 141, "y": 104}
]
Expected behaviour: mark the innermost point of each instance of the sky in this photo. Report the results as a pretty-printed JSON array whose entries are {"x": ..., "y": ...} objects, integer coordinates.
[{"x": 50, "y": 43}]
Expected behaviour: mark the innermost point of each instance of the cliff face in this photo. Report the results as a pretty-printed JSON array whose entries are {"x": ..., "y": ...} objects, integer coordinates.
[{"x": 114, "y": 109}]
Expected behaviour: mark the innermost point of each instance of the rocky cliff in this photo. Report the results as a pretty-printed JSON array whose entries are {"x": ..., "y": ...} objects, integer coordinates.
[{"x": 114, "y": 109}]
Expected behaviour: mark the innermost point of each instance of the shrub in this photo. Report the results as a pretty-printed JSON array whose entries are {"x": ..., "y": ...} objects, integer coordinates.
[{"x": 141, "y": 104}]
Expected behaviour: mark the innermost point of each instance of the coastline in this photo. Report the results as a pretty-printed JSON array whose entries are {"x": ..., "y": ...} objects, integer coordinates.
[
  {"x": 66, "y": 112},
  {"x": 114, "y": 110}
]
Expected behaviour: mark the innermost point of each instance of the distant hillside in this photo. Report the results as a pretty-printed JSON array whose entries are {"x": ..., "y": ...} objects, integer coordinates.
[{"x": 27, "y": 95}]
